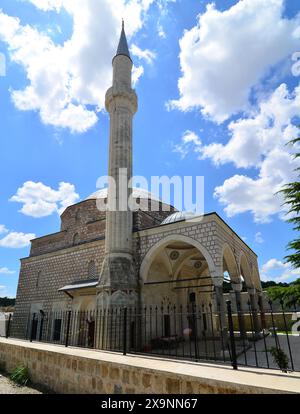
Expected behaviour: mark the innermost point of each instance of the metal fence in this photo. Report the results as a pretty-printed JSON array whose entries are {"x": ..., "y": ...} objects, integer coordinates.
[{"x": 248, "y": 337}]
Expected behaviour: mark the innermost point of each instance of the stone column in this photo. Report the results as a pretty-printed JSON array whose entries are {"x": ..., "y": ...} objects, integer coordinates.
[
  {"x": 237, "y": 288},
  {"x": 261, "y": 309},
  {"x": 220, "y": 306},
  {"x": 253, "y": 305}
]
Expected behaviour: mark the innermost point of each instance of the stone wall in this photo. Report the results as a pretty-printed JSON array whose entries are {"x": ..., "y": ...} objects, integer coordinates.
[
  {"x": 42, "y": 276},
  {"x": 66, "y": 370},
  {"x": 277, "y": 318}
]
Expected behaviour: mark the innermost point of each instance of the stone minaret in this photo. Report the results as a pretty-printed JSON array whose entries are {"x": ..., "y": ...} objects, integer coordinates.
[{"x": 118, "y": 275}]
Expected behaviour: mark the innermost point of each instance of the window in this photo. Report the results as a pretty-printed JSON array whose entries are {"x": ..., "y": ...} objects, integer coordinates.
[
  {"x": 57, "y": 330},
  {"x": 77, "y": 215},
  {"x": 192, "y": 297},
  {"x": 76, "y": 239},
  {"x": 92, "y": 270}
]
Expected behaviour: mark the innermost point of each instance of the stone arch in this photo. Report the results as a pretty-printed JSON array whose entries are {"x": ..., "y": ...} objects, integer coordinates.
[
  {"x": 154, "y": 250},
  {"x": 245, "y": 270},
  {"x": 256, "y": 279},
  {"x": 229, "y": 263},
  {"x": 182, "y": 261}
]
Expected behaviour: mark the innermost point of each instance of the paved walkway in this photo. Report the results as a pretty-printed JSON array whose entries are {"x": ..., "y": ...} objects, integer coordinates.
[
  {"x": 290, "y": 346},
  {"x": 8, "y": 387}
]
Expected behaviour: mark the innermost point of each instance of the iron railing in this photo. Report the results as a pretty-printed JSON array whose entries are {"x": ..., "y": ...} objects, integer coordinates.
[{"x": 199, "y": 332}]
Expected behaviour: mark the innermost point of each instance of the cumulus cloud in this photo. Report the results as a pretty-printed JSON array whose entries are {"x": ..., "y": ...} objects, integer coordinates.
[
  {"x": 278, "y": 271},
  {"x": 64, "y": 81},
  {"x": 258, "y": 141},
  {"x": 15, "y": 240},
  {"x": 228, "y": 52},
  {"x": 40, "y": 200},
  {"x": 253, "y": 138},
  {"x": 145, "y": 54},
  {"x": 6, "y": 271}
]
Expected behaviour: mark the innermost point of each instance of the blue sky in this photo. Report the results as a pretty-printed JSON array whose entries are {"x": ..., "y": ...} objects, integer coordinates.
[{"x": 219, "y": 97}]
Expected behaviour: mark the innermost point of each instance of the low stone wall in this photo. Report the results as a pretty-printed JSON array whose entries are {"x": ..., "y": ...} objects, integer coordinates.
[
  {"x": 66, "y": 370},
  {"x": 277, "y": 318}
]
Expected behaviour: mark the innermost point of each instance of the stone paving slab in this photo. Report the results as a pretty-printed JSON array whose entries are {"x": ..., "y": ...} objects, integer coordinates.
[{"x": 8, "y": 387}]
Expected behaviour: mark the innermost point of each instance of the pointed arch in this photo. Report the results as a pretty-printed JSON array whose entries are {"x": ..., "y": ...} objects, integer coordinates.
[
  {"x": 245, "y": 270},
  {"x": 155, "y": 249},
  {"x": 229, "y": 263}
]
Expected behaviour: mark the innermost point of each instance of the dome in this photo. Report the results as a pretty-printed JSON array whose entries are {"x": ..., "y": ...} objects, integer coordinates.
[
  {"x": 178, "y": 216},
  {"x": 137, "y": 193}
]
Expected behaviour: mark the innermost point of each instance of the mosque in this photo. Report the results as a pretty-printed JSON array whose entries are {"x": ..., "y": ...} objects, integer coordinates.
[{"x": 102, "y": 259}]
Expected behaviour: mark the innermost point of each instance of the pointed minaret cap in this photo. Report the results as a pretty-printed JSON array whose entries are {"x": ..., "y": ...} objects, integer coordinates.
[{"x": 123, "y": 45}]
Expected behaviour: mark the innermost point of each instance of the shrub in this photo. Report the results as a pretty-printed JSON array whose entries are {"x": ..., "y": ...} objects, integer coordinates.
[
  {"x": 280, "y": 358},
  {"x": 20, "y": 375}
]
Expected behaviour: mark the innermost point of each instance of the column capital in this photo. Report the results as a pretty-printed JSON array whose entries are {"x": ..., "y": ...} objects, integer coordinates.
[
  {"x": 251, "y": 290},
  {"x": 237, "y": 286},
  {"x": 218, "y": 281}
]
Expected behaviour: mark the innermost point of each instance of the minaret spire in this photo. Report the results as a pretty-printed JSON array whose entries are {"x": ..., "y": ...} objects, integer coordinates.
[{"x": 123, "y": 45}]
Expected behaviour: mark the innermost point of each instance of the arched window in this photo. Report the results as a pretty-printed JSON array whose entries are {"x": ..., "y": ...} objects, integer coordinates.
[
  {"x": 76, "y": 239},
  {"x": 92, "y": 270},
  {"x": 38, "y": 279}
]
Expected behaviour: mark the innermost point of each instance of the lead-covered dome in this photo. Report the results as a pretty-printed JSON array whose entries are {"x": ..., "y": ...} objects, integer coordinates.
[
  {"x": 178, "y": 216},
  {"x": 138, "y": 193}
]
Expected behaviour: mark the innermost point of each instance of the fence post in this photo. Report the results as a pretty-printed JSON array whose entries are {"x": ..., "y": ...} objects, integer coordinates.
[
  {"x": 68, "y": 328},
  {"x": 195, "y": 330},
  {"x": 125, "y": 332},
  {"x": 231, "y": 333},
  {"x": 8, "y": 326}
]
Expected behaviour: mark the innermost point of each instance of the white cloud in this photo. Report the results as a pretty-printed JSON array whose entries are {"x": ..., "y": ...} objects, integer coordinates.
[
  {"x": 257, "y": 141},
  {"x": 6, "y": 271},
  {"x": 3, "y": 229},
  {"x": 160, "y": 31},
  {"x": 40, "y": 200},
  {"x": 260, "y": 142},
  {"x": 259, "y": 238},
  {"x": 278, "y": 271},
  {"x": 253, "y": 138},
  {"x": 16, "y": 240},
  {"x": 137, "y": 72},
  {"x": 163, "y": 6},
  {"x": 228, "y": 52},
  {"x": 190, "y": 141},
  {"x": 64, "y": 79},
  {"x": 145, "y": 54}
]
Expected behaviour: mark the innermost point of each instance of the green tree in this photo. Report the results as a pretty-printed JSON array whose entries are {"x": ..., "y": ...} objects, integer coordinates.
[
  {"x": 291, "y": 194},
  {"x": 289, "y": 295}
]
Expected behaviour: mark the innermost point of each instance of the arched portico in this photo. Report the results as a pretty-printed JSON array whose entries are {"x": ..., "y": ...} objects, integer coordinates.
[
  {"x": 176, "y": 267},
  {"x": 170, "y": 240}
]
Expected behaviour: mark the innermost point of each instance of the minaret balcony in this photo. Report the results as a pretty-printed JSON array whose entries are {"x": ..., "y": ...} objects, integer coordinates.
[{"x": 121, "y": 97}]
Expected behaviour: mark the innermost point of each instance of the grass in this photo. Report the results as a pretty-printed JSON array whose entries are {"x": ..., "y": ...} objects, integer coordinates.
[{"x": 20, "y": 376}]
